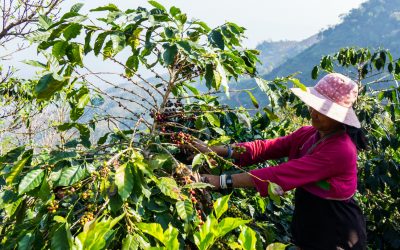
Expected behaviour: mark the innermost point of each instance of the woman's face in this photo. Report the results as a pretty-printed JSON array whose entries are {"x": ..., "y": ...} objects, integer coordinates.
[{"x": 322, "y": 122}]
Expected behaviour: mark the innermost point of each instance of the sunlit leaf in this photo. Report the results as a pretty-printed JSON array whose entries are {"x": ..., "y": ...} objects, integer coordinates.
[
  {"x": 30, "y": 181},
  {"x": 253, "y": 99},
  {"x": 72, "y": 174},
  {"x": 247, "y": 238},
  {"x": 220, "y": 206},
  {"x": 19, "y": 165},
  {"x": 124, "y": 180}
]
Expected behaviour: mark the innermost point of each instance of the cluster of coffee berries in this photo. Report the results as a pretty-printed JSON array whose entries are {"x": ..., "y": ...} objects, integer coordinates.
[
  {"x": 187, "y": 180},
  {"x": 104, "y": 171},
  {"x": 181, "y": 138},
  {"x": 234, "y": 211},
  {"x": 86, "y": 195},
  {"x": 53, "y": 206},
  {"x": 91, "y": 207},
  {"x": 239, "y": 149},
  {"x": 199, "y": 212},
  {"x": 193, "y": 196},
  {"x": 88, "y": 216}
]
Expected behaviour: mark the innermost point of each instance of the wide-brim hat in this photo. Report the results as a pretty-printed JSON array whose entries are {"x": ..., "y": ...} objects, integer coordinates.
[{"x": 333, "y": 96}]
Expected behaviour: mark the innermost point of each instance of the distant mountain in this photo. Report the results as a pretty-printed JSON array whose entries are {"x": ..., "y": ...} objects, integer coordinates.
[
  {"x": 375, "y": 24},
  {"x": 274, "y": 53}
]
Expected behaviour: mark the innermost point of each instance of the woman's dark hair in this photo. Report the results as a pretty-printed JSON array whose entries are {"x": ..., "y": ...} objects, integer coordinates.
[{"x": 358, "y": 137}]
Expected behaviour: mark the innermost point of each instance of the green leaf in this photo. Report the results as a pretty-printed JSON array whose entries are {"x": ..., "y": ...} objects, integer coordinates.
[
  {"x": 169, "y": 53},
  {"x": 253, "y": 99},
  {"x": 209, "y": 75},
  {"x": 30, "y": 181},
  {"x": 59, "y": 49},
  {"x": 153, "y": 229},
  {"x": 47, "y": 87},
  {"x": 17, "y": 168},
  {"x": 96, "y": 234},
  {"x": 169, "y": 187},
  {"x": 185, "y": 45},
  {"x": 62, "y": 237},
  {"x": 12, "y": 155},
  {"x": 157, "y": 5},
  {"x": 75, "y": 54},
  {"x": 44, "y": 192},
  {"x": 82, "y": 98},
  {"x": 271, "y": 115},
  {"x": 272, "y": 193},
  {"x": 71, "y": 175},
  {"x": 324, "y": 185},
  {"x": 276, "y": 246},
  {"x": 88, "y": 38},
  {"x": 132, "y": 65},
  {"x": 223, "y": 79},
  {"x": 228, "y": 224},
  {"x": 221, "y": 205},
  {"x": 161, "y": 161},
  {"x": 247, "y": 238},
  {"x": 171, "y": 235},
  {"x": 35, "y": 63},
  {"x": 26, "y": 242},
  {"x": 314, "y": 72},
  {"x": 118, "y": 41},
  {"x": 134, "y": 242},
  {"x": 12, "y": 207},
  {"x": 56, "y": 156},
  {"x": 194, "y": 90},
  {"x": 197, "y": 160},
  {"x": 45, "y": 21},
  {"x": 216, "y": 39},
  {"x": 98, "y": 44},
  {"x": 298, "y": 83},
  {"x": 174, "y": 11},
  {"x": 76, "y": 7},
  {"x": 207, "y": 234},
  {"x": 124, "y": 180},
  {"x": 213, "y": 119},
  {"x": 109, "y": 7},
  {"x": 184, "y": 210},
  {"x": 72, "y": 31}
]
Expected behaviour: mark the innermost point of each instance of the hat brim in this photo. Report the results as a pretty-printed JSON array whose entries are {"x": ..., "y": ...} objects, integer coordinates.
[{"x": 312, "y": 98}]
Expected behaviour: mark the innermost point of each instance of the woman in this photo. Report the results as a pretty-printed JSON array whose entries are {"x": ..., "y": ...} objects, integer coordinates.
[{"x": 322, "y": 166}]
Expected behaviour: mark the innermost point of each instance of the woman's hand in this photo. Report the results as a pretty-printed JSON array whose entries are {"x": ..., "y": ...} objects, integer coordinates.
[
  {"x": 211, "y": 179},
  {"x": 201, "y": 146}
]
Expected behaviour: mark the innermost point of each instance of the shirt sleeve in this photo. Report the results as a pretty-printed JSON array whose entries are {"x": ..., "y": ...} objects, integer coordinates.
[
  {"x": 262, "y": 150},
  {"x": 332, "y": 159}
]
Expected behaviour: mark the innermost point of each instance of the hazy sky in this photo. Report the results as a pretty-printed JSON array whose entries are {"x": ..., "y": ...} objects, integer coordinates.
[{"x": 263, "y": 19}]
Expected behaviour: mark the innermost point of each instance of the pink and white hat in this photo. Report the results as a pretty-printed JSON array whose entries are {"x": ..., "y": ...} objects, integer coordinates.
[{"x": 333, "y": 96}]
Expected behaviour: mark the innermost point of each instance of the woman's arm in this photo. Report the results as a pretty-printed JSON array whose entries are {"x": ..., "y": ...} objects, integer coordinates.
[
  {"x": 242, "y": 180},
  {"x": 219, "y": 150}
]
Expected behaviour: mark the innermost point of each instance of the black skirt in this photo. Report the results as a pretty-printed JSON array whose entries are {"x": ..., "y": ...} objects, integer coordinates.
[{"x": 322, "y": 224}]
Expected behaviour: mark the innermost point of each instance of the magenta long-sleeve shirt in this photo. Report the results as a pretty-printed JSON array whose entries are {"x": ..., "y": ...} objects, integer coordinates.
[{"x": 333, "y": 160}]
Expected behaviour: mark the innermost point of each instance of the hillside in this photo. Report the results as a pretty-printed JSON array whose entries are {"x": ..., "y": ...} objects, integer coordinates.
[
  {"x": 274, "y": 53},
  {"x": 375, "y": 24}
]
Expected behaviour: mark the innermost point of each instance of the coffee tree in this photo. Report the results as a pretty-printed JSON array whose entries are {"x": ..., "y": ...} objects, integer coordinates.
[{"x": 131, "y": 188}]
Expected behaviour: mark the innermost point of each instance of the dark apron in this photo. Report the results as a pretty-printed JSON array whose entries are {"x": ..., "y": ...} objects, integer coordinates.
[{"x": 327, "y": 224}]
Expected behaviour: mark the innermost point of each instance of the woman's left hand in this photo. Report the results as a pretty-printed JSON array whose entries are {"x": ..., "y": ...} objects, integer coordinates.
[{"x": 211, "y": 179}]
